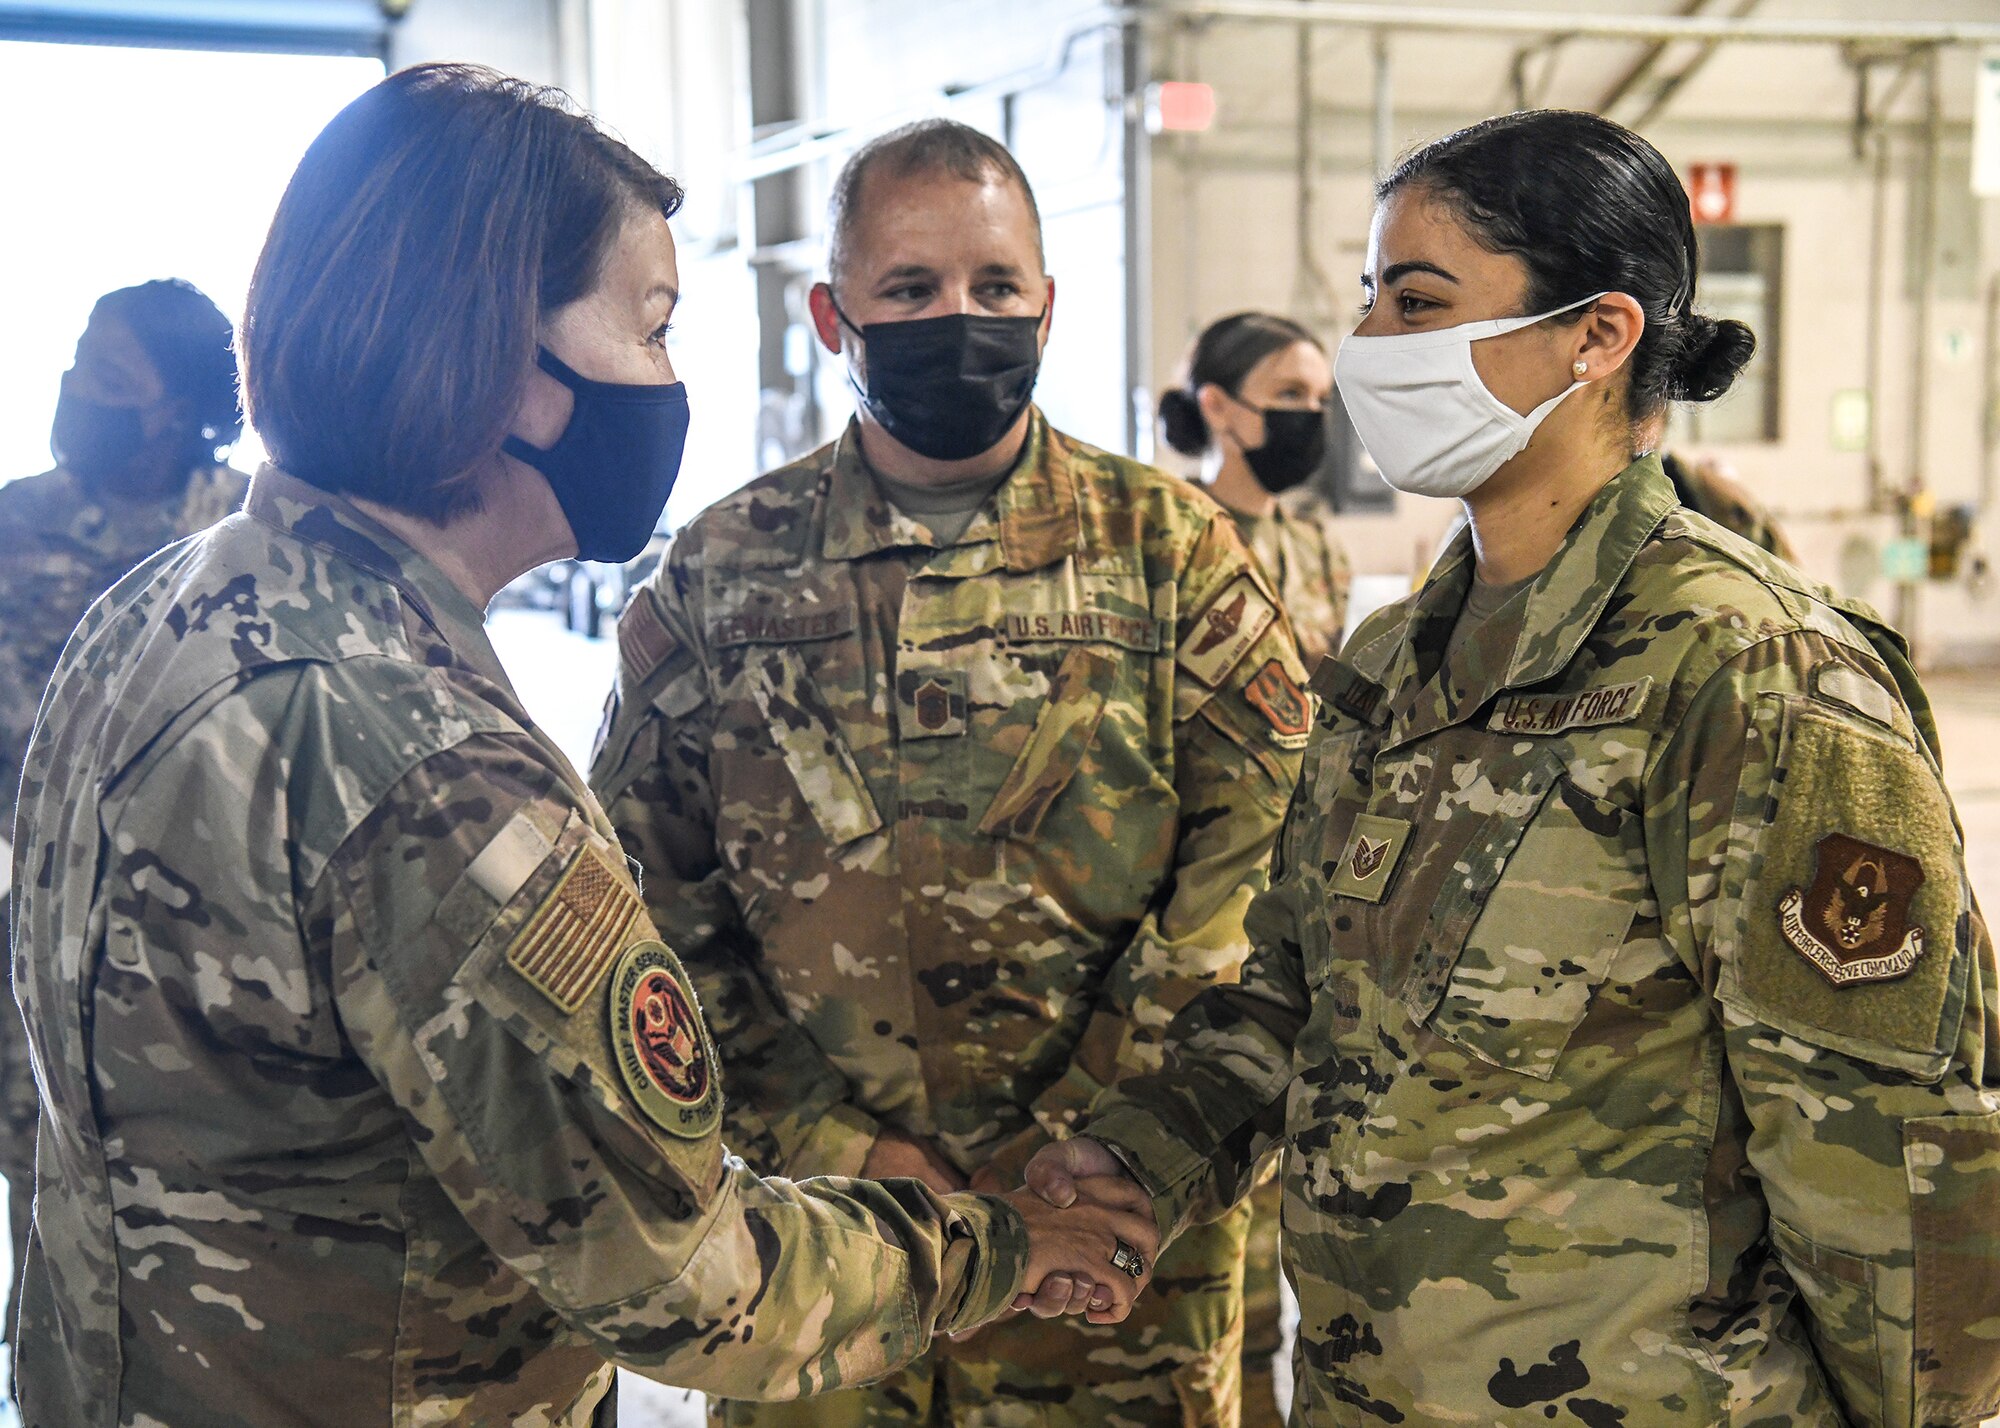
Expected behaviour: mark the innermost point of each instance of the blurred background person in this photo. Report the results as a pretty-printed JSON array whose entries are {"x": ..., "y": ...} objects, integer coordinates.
[
  {"x": 1706, "y": 485},
  {"x": 146, "y": 413},
  {"x": 1253, "y": 408}
]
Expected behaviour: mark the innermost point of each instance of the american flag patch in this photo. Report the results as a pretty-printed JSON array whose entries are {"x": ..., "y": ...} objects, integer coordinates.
[
  {"x": 644, "y": 642},
  {"x": 573, "y": 936}
]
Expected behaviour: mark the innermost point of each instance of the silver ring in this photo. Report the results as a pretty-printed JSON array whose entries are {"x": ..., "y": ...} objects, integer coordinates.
[{"x": 1128, "y": 1259}]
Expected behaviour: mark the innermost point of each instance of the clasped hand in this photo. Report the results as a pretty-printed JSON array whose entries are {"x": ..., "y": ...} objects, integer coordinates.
[{"x": 1081, "y": 1206}]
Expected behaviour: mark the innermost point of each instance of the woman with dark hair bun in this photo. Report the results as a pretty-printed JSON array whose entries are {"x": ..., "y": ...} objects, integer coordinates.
[
  {"x": 369, "y": 1093},
  {"x": 1253, "y": 408},
  {"x": 1619, "y": 997}
]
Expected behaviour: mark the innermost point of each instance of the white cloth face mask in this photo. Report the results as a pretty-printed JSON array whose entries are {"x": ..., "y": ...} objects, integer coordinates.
[{"x": 1419, "y": 406}]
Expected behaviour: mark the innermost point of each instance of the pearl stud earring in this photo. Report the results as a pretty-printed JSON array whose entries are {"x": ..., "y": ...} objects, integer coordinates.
[{"x": 1579, "y": 367}]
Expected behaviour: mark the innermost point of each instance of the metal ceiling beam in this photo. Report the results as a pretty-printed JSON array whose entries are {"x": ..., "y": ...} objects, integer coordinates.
[
  {"x": 1663, "y": 95},
  {"x": 1359, "y": 14},
  {"x": 1642, "y": 69}
]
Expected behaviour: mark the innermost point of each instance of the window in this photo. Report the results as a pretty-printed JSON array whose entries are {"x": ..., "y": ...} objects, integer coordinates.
[
  {"x": 1742, "y": 276},
  {"x": 131, "y": 163}
]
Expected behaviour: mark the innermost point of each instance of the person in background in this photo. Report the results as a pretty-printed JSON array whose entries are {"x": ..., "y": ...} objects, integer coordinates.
[
  {"x": 1706, "y": 487},
  {"x": 145, "y": 415},
  {"x": 1619, "y": 997},
  {"x": 953, "y": 753},
  {"x": 1253, "y": 408},
  {"x": 370, "y": 1095}
]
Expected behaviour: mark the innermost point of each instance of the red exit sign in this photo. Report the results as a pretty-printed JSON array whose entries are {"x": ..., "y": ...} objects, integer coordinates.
[{"x": 1712, "y": 192}]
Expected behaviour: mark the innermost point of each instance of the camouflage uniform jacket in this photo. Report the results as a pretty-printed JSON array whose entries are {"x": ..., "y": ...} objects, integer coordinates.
[
  {"x": 1299, "y": 546},
  {"x": 61, "y": 547},
  {"x": 368, "y": 1095},
  {"x": 952, "y": 832},
  {"x": 1623, "y": 1002}
]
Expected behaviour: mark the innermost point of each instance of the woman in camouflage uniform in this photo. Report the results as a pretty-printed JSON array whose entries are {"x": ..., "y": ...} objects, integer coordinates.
[
  {"x": 370, "y": 1095},
  {"x": 1620, "y": 997},
  {"x": 1253, "y": 408}
]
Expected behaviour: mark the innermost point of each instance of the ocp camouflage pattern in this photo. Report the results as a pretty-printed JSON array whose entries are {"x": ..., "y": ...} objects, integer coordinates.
[
  {"x": 61, "y": 546},
  {"x": 1298, "y": 545},
  {"x": 948, "y": 834},
  {"x": 1574, "y": 1132},
  {"x": 320, "y": 1143}
]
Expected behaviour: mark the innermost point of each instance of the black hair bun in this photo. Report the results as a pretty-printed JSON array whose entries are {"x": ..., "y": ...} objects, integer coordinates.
[
  {"x": 1711, "y": 355},
  {"x": 1182, "y": 423}
]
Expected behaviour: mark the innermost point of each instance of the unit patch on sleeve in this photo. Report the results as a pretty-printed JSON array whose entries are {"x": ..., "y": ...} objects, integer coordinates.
[
  {"x": 573, "y": 936},
  {"x": 1225, "y": 631},
  {"x": 1853, "y": 921},
  {"x": 1555, "y": 713},
  {"x": 1279, "y": 699},
  {"x": 664, "y": 1053}
]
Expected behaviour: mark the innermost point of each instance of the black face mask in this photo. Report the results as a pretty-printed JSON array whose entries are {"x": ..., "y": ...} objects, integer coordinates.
[
  {"x": 94, "y": 441},
  {"x": 1294, "y": 447},
  {"x": 948, "y": 387},
  {"x": 614, "y": 465}
]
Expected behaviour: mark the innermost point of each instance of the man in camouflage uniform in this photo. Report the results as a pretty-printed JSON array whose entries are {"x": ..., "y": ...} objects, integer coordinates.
[
  {"x": 1625, "y": 1009},
  {"x": 949, "y": 826},
  {"x": 370, "y": 1096},
  {"x": 157, "y": 357}
]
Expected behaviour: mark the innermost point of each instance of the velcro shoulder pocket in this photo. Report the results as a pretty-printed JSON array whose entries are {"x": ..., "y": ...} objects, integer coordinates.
[
  {"x": 1842, "y": 892},
  {"x": 549, "y": 970}
]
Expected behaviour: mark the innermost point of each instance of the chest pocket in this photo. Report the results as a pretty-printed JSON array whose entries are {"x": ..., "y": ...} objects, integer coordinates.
[
  {"x": 1062, "y": 735},
  {"x": 808, "y": 738},
  {"x": 1528, "y": 926}
]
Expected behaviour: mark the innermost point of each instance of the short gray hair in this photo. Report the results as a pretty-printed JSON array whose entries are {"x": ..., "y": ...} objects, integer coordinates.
[{"x": 935, "y": 146}]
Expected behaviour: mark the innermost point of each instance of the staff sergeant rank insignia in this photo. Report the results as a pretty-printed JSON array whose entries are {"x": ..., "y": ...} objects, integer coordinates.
[
  {"x": 1853, "y": 922},
  {"x": 661, "y": 1043}
]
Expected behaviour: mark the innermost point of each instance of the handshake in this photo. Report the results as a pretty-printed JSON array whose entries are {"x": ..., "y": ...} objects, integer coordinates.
[{"x": 1091, "y": 1232}]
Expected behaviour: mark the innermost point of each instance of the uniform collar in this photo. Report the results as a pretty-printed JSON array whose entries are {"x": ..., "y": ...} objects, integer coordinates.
[
  {"x": 1537, "y": 635},
  {"x": 336, "y": 525},
  {"x": 1033, "y": 518}
]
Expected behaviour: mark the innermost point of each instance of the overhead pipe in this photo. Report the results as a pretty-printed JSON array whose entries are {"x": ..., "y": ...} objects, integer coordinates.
[
  {"x": 795, "y": 145},
  {"x": 1358, "y": 14}
]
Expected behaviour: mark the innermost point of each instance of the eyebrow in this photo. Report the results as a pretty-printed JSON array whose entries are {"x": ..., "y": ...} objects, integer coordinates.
[
  {"x": 905, "y": 270},
  {"x": 667, "y": 290},
  {"x": 1395, "y": 272}
]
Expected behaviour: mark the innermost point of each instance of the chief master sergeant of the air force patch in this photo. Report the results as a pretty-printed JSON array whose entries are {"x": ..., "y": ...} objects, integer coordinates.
[{"x": 661, "y": 1043}]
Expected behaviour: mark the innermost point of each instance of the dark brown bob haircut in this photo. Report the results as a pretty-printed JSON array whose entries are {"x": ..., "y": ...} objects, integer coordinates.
[
  {"x": 391, "y": 323},
  {"x": 928, "y": 146}
]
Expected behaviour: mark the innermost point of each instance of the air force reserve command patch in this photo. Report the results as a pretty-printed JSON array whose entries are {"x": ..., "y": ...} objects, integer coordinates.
[
  {"x": 1853, "y": 921},
  {"x": 662, "y": 1045}
]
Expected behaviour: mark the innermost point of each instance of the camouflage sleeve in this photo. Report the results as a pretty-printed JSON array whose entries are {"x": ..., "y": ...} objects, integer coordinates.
[
  {"x": 792, "y": 1108},
  {"x": 1240, "y": 719},
  {"x": 495, "y": 970},
  {"x": 1812, "y": 874}
]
